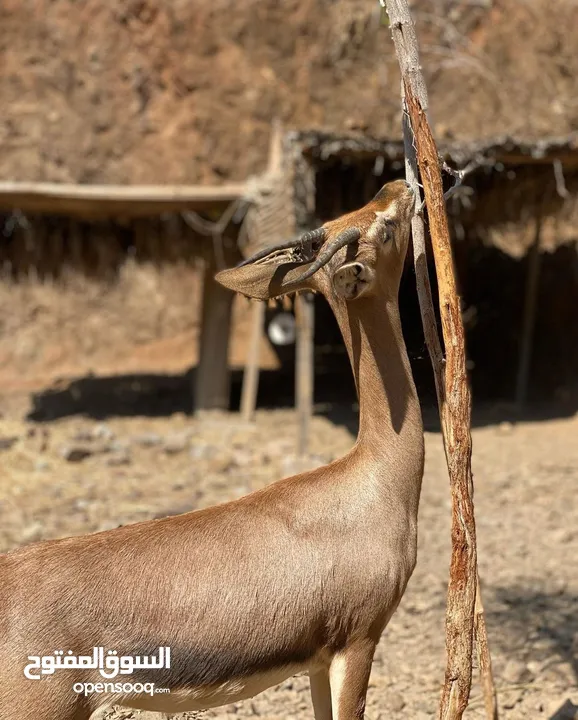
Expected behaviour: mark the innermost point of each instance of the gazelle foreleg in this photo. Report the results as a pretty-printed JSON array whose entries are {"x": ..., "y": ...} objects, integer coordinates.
[
  {"x": 349, "y": 677},
  {"x": 321, "y": 694}
]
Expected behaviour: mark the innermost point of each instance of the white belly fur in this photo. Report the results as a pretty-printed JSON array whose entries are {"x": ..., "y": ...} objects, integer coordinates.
[{"x": 203, "y": 697}]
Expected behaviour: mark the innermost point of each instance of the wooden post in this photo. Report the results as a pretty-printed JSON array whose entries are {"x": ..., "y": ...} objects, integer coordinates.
[
  {"x": 304, "y": 370},
  {"x": 212, "y": 380},
  {"x": 251, "y": 374},
  {"x": 453, "y": 392},
  {"x": 529, "y": 320}
]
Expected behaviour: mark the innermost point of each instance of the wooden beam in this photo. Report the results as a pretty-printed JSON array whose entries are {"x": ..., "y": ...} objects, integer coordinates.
[
  {"x": 251, "y": 374},
  {"x": 212, "y": 379},
  {"x": 304, "y": 370},
  {"x": 115, "y": 200}
]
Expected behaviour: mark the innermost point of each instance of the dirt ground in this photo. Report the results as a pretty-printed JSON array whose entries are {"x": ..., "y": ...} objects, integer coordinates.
[{"x": 78, "y": 475}]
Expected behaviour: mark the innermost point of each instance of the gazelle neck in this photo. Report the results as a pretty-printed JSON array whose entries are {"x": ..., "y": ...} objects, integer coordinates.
[{"x": 390, "y": 424}]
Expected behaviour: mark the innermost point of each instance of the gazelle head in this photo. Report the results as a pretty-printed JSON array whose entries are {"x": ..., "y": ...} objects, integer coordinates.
[{"x": 358, "y": 255}]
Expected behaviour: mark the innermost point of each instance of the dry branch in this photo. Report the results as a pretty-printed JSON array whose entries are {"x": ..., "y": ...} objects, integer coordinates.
[
  {"x": 464, "y": 606},
  {"x": 455, "y": 414},
  {"x": 484, "y": 658}
]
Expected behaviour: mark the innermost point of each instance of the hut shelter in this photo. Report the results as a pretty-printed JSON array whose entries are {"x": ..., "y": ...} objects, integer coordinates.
[
  {"x": 513, "y": 223},
  {"x": 93, "y": 227}
]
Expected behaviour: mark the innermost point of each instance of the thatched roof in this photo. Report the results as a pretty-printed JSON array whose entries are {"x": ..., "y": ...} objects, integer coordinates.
[
  {"x": 512, "y": 184},
  {"x": 142, "y": 92},
  {"x": 322, "y": 146}
]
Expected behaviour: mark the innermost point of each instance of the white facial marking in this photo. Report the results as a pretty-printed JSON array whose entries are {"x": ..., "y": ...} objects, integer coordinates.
[{"x": 378, "y": 226}]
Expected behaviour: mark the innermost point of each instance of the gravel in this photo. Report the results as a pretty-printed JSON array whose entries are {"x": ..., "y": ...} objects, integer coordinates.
[{"x": 526, "y": 487}]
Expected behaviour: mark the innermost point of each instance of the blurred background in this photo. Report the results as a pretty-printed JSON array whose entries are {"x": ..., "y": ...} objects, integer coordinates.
[{"x": 146, "y": 144}]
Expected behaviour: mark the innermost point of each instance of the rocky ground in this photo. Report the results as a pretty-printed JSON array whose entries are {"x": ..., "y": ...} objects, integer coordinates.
[{"x": 77, "y": 475}]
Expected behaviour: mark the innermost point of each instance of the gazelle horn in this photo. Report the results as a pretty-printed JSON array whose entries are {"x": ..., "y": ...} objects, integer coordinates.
[{"x": 307, "y": 238}]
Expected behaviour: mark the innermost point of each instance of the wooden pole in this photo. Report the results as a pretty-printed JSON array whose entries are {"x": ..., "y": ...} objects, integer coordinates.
[
  {"x": 451, "y": 380},
  {"x": 212, "y": 379},
  {"x": 251, "y": 374},
  {"x": 529, "y": 320},
  {"x": 304, "y": 310}
]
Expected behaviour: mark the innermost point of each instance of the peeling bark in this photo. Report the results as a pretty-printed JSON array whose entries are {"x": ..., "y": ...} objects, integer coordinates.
[{"x": 464, "y": 605}]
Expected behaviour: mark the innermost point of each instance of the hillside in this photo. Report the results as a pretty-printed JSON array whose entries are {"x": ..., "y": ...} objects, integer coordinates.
[{"x": 137, "y": 91}]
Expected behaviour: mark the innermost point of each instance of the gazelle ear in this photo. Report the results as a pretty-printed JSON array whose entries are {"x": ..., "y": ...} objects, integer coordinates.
[
  {"x": 353, "y": 280},
  {"x": 265, "y": 280}
]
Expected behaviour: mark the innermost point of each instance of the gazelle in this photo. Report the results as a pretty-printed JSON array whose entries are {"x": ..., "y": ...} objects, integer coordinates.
[{"x": 302, "y": 575}]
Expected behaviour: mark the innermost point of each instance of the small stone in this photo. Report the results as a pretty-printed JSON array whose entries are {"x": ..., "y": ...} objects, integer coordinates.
[
  {"x": 427, "y": 705},
  {"x": 396, "y": 702},
  {"x": 112, "y": 446},
  {"x": 82, "y": 435},
  {"x": 505, "y": 427},
  {"x": 511, "y": 698},
  {"x": 175, "y": 444},
  {"x": 147, "y": 440},
  {"x": 118, "y": 458},
  {"x": 535, "y": 667},
  {"x": 421, "y": 715},
  {"x": 75, "y": 453},
  {"x": 199, "y": 452},
  {"x": 31, "y": 534},
  {"x": 41, "y": 465},
  {"x": 7, "y": 442},
  {"x": 564, "y": 535},
  {"x": 103, "y": 432},
  {"x": 517, "y": 672},
  {"x": 222, "y": 464}
]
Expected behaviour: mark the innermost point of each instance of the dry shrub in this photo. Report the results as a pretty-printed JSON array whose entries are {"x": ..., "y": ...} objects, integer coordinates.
[{"x": 75, "y": 325}]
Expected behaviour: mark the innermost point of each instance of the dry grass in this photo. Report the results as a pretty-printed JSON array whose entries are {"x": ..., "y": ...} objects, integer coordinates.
[
  {"x": 76, "y": 326},
  {"x": 144, "y": 321}
]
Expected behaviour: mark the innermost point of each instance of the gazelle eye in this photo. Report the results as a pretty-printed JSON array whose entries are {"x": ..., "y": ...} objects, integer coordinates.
[{"x": 388, "y": 231}]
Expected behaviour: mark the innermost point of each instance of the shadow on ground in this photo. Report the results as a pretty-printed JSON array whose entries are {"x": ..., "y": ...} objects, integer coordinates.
[
  {"x": 162, "y": 395},
  {"x": 532, "y": 624},
  {"x": 152, "y": 395}
]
